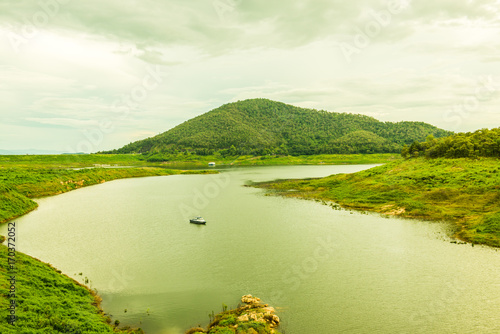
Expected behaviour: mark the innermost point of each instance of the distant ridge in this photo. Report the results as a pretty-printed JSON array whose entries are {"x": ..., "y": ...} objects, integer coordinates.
[
  {"x": 261, "y": 126},
  {"x": 30, "y": 151}
]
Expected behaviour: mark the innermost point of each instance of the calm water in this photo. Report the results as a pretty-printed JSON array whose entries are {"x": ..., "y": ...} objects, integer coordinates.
[{"x": 326, "y": 271}]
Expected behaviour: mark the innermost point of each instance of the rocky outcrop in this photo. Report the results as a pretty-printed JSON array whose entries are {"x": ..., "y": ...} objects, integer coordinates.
[
  {"x": 258, "y": 312},
  {"x": 248, "y": 318}
]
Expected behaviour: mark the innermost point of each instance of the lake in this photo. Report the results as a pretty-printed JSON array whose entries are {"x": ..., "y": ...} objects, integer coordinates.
[{"x": 326, "y": 271}]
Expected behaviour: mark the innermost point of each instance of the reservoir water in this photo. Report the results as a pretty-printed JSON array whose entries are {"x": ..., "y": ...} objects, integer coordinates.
[{"x": 326, "y": 271}]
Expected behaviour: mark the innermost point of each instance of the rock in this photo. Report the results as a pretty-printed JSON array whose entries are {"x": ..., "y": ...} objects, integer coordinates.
[
  {"x": 249, "y": 299},
  {"x": 252, "y": 310},
  {"x": 243, "y": 317},
  {"x": 269, "y": 310}
]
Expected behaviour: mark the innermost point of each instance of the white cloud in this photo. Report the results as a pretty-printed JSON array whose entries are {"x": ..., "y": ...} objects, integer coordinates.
[{"x": 64, "y": 74}]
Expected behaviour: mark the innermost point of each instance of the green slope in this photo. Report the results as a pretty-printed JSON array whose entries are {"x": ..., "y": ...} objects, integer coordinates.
[{"x": 261, "y": 126}]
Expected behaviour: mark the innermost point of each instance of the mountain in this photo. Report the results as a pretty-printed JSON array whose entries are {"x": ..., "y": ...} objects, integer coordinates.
[{"x": 261, "y": 126}]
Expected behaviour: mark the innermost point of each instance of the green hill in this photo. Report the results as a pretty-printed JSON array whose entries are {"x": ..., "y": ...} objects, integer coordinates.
[{"x": 261, "y": 126}]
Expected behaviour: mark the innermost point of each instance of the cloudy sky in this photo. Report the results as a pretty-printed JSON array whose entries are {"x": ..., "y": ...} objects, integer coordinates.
[{"x": 95, "y": 75}]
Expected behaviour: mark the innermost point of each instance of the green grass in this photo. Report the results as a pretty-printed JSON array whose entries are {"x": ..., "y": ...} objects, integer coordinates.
[
  {"x": 322, "y": 159},
  {"x": 184, "y": 160},
  {"x": 47, "y": 301},
  {"x": 71, "y": 160},
  {"x": 463, "y": 191},
  {"x": 190, "y": 160}
]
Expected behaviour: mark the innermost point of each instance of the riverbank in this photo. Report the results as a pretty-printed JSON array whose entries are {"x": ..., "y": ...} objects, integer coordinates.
[
  {"x": 182, "y": 160},
  {"x": 250, "y": 318},
  {"x": 21, "y": 184},
  {"x": 465, "y": 192},
  {"x": 47, "y": 301},
  {"x": 273, "y": 160}
]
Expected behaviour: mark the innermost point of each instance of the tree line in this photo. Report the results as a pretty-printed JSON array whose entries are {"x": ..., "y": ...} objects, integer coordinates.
[{"x": 481, "y": 143}]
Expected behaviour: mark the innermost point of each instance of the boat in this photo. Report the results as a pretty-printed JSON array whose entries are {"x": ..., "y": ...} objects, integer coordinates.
[{"x": 198, "y": 220}]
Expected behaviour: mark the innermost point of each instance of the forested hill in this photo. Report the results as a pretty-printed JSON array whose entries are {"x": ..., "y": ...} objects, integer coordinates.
[{"x": 261, "y": 126}]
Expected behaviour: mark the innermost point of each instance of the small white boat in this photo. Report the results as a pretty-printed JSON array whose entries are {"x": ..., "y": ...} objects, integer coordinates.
[{"x": 198, "y": 220}]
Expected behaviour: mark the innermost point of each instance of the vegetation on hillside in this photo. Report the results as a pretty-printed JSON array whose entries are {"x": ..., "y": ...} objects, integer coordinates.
[
  {"x": 463, "y": 191},
  {"x": 481, "y": 143},
  {"x": 262, "y": 127},
  {"x": 48, "y": 301}
]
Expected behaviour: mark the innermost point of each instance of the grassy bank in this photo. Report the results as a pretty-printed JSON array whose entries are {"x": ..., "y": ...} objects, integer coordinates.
[
  {"x": 322, "y": 159},
  {"x": 183, "y": 159},
  {"x": 37, "y": 176},
  {"x": 71, "y": 160},
  {"x": 465, "y": 192},
  {"x": 48, "y": 301}
]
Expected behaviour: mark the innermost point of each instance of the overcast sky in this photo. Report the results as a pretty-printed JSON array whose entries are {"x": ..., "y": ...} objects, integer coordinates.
[{"x": 95, "y": 75}]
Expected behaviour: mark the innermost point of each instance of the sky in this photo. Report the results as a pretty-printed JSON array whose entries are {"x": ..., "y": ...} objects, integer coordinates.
[{"x": 87, "y": 76}]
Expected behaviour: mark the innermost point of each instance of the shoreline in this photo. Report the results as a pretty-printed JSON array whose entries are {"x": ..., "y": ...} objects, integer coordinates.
[
  {"x": 461, "y": 192},
  {"x": 27, "y": 177},
  {"x": 53, "y": 191},
  {"x": 18, "y": 198},
  {"x": 37, "y": 287}
]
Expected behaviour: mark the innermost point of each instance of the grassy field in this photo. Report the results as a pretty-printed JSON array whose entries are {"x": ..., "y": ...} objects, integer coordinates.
[
  {"x": 71, "y": 160},
  {"x": 48, "y": 301},
  {"x": 185, "y": 160},
  {"x": 250, "y": 160},
  {"x": 323, "y": 159},
  {"x": 463, "y": 191}
]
